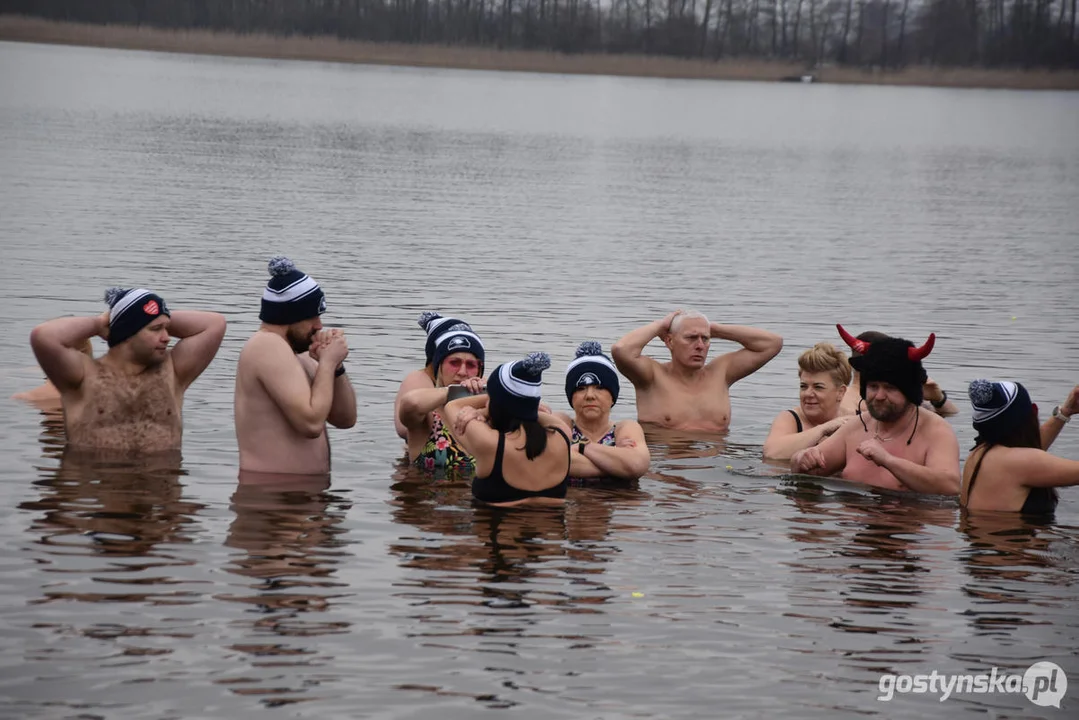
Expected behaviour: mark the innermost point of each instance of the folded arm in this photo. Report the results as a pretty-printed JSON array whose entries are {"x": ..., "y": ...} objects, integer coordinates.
[
  {"x": 627, "y": 459},
  {"x": 413, "y": 381},
  {"x": 826, "y": 458},
  {"x": 414, "y": 406},
  {"x": 200, "y": 335},
  {"x": 784, "y": 439},
  {"x": 474, "y": 437},
  {"x": 56, "y": 346},
  {"x": 940, "y": 474},
  {"x": 305, "y": 402}
]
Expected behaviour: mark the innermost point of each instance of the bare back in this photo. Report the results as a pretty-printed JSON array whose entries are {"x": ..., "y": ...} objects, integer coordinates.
[
  {"x": 268, "y": 443},
  {"x": 701, "y": 402},
  {"x": 115, "y": 411}
]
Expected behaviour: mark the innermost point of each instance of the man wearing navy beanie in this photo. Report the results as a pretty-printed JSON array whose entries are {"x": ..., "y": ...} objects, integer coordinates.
[
  {"x": 291, "y": 380},
  {"x": 130, "y": 400}
]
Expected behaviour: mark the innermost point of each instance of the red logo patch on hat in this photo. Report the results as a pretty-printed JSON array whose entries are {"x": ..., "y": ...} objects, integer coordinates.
[{"x": 151, "y": 308}]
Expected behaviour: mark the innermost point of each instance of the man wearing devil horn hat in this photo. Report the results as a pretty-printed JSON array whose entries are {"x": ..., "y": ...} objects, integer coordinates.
[{"x": 898, "y": 446}]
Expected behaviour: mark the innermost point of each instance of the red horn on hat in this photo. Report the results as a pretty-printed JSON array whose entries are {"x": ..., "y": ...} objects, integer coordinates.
[
  {"x": 917, "y": 353},
  {"x": 859, "y": 346}
]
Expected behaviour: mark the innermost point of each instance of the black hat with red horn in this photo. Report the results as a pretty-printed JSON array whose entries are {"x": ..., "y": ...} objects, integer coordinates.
[{"x": 895, "y": 361}]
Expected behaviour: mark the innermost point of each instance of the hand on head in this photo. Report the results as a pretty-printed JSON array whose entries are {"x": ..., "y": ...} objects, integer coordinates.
[
  {"x": 104, "y": 334},
  {"x": 665, "y": 323}
]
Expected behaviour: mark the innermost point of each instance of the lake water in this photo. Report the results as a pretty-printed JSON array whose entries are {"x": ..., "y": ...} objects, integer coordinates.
[{"x": 546, "y": 210}]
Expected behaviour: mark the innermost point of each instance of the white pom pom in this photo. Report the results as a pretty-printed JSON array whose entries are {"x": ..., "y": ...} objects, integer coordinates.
[
  {"x": 536, "y": 363},
  {"x": 425, "y": 317},
  {"x": 280, "y": 265},
  {"x": 981, "y": 392},
  {"x": 113, "y": 295},
  {"x": 589, "y": 347}
]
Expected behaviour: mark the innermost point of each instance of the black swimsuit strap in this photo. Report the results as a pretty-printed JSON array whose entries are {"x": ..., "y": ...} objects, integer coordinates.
[
  {"x": 498, "y": 455},
  {"x": 797, "y": 420},
  {"x": 974, "y": 473}
]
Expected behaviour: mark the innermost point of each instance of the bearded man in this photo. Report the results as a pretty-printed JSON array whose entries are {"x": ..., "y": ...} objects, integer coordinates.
[{"x": 901, "y": 447}]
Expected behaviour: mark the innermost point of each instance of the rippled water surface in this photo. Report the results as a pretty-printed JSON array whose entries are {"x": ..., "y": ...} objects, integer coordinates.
[{"x": 546, "y": 210}]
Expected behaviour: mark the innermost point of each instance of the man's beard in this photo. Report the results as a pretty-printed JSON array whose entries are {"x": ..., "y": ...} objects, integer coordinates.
[
  {"x": 299, "y": 343},
  {"x": 885, "y": 411}
]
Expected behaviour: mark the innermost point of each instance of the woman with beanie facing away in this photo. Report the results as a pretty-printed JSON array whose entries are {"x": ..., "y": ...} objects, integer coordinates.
[
  {"x": 522, "y": 456},
  {"x": 458, "y": 361},
  {"x": 1009, "y": 468},
  {"x": 602, "y": 449},
  {"x": 823, "y": 377}
]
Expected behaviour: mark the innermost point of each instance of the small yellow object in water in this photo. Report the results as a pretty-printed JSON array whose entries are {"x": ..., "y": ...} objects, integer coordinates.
[
  {"x": 1014, "y": 317},
  {"x": 637, "y": 594},
  {"x": 730, "y": 467}
]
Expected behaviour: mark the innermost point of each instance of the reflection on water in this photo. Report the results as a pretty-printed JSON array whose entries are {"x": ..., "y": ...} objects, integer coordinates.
[
  {"x": 288, "y": 529},
  {"x": 111, "y": 509}
]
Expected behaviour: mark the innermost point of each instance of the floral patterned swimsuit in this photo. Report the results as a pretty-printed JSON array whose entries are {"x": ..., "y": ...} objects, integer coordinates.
[
  {"x": 441, "y": 452},
  {"x": 579, "y": 438}
]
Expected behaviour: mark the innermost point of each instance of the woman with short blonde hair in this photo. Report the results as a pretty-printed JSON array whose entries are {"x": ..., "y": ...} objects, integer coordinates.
[{"x": 823, "y": 374}]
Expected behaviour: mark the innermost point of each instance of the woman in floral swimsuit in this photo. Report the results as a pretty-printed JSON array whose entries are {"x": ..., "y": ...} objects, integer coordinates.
[
  {"x": 458, "y": 360},
  {"x": 602, "y": 449}
]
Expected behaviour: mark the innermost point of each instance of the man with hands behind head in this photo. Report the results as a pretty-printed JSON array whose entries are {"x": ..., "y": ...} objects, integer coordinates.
[
  {"x": 690, "y": 392},
  {"x": 131, "y": 399},
  {"x": 291, "y": 380}
]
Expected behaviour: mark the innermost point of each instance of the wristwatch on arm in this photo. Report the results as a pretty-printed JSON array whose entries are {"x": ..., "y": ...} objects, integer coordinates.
[
  {"x": 1061, "y": 416},
  {"x": 943, "y": 399}
]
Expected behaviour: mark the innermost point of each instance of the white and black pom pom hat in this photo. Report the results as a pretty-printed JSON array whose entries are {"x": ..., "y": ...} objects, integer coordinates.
[
  {"x": 591, "y": 367},
  {"x": 435, "y": 325},
  {"x": 997, "y": 407},
  {"x": 291, "y": 296},
  {"x": 515, "y": 387}
]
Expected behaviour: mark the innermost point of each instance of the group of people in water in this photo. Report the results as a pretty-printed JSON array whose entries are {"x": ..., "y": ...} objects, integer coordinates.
[{"x": 875, "y": 418}]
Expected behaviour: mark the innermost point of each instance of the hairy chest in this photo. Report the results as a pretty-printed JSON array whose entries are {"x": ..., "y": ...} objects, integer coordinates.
[{"x": 140, "y": 412}]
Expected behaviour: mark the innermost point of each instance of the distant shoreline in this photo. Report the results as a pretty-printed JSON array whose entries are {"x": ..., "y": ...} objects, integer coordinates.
[{"x": 329, "y": 49}]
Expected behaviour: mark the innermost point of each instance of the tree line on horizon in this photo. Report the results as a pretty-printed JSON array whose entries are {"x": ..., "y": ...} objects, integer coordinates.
[{"x": 887, "y": 34}]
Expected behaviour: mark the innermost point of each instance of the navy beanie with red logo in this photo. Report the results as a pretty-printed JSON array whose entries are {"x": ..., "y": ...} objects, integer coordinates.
[{"x": 131, "y": 311}]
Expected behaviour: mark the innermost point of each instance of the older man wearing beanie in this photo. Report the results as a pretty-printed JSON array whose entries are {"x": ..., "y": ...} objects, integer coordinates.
[
  {"x": 130, "y": 400},
  {"x": 901, "y": 447},
  {"x": 291, "y": 380}
]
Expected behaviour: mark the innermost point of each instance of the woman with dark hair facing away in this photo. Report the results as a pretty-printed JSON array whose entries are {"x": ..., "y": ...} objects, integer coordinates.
[
  {"x": 823, "y": 376},
  {"x": 522, "y": 455},
  {"x": 602, "y": 449},
  {"x": 1009, "y": 468}
]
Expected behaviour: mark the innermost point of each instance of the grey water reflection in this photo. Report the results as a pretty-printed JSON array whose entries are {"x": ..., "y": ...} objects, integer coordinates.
[
  {"x": 291, "y": 546},
  {"x": 112, "y": 509},
  {"x": 495, "y": 581}
]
